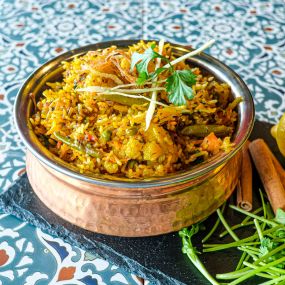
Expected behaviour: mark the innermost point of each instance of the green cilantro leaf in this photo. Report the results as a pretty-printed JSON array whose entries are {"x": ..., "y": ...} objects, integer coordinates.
[
  {"x": 142, "y": 60},
  {"x": 178, "y": 86},
  {"x": 158, "y": 71},
  {"x": 142, "y": 78},
  {"x": 192, "y": 253},
  {"x": 280, "y": 216},
  {"x": 187, "y": 234},
  {"x": 266, "y": 246}
]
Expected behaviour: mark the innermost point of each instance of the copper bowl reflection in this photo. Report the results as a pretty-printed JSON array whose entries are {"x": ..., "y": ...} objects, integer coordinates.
[{"x": 132, "y": 207}]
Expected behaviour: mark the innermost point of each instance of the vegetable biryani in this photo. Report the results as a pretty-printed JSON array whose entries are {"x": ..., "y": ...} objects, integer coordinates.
[{"x": 136, "y": 112}]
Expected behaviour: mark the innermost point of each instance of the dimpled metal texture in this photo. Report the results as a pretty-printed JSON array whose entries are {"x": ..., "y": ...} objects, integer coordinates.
[{"x": 157, "y": 212}]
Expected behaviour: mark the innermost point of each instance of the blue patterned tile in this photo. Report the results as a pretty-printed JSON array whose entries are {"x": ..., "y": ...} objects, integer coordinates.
[{"x": 250, "y": 37}]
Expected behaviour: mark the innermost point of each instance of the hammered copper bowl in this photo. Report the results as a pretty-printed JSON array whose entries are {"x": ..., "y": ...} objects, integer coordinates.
[{"x": 131, "y": 207}]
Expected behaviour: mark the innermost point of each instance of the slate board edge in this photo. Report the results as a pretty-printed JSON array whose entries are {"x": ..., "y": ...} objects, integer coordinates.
[{"x": 9, "y": 206}]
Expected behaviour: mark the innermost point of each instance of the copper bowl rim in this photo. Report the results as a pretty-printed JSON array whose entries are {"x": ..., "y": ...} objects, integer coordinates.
[{"x": 210, "y": 64}]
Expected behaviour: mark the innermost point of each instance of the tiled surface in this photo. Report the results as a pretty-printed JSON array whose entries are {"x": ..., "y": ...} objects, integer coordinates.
[{"x": 250, "y": 38}]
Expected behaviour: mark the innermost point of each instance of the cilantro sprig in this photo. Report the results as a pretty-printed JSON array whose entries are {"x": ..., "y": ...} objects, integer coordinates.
[
  {"x": 141, "y": 62},
  {"x": 263, "y": 252},
  {"x": 178, "y": 84},
  {"x": 192, "y": 253}
]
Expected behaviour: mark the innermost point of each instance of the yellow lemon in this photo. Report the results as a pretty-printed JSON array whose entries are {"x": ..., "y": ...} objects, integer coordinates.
[
  {"x": 273, "y": 131},
  {"x": 280, "y": 135}
]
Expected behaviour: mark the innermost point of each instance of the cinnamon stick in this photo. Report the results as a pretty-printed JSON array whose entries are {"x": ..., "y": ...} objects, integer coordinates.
[
  {"x": 279, "y": 168},
  {"x": 268, "y": 174},
  {"x": 244, "y": 187}
]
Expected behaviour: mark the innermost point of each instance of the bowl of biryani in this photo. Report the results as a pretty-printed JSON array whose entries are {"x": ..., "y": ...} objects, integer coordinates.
[{"x": 133, "y": 138}]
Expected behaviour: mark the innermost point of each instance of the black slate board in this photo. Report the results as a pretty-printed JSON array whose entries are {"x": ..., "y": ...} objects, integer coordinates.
[{"x": 158, "y": 259}]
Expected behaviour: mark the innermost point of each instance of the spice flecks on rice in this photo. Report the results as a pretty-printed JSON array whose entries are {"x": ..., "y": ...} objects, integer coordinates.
[{"x": 105, "y": 133}]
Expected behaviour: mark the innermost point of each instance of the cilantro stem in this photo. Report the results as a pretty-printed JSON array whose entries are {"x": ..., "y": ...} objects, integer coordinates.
[
  {"x": 246, "y": 259},
  {"x": 255, "y": 271},
  {"x": 252, "y": 248},
  {"x": 211, "y": 245},
  {"x": 214, "y": 227},
  {"x": 232, "y": 275},
  {"x": 274, "y": 281},
  {"x": 247, "y": 218},
  {"x": 190, "y": 54},
  {"x": 235, "y": 227},
  {"x": 258, "y": 228},
  {"x": 277, "y": 239},
  {"x": 238, "y": 273},
  {"x": 227, "y": 245},
  {"x": 225, "y": 224},
  {"x": 202, "y": 269},
  {"x": 275, "y": 269},
  {"x": 253, "y": 216},
  {"x": 249, "y": 251},
  {"x": 263, "y": 203},
  {"x": 271, "y": 274},
  {"x": 191, "y": 252},
  {"x": 242, "y": 258},
  {"x": 272, "y": 252},
  {"x": 242, "y": 241}
]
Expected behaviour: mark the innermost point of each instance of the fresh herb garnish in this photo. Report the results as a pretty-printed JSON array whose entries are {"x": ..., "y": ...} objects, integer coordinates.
[
  {"x": 190, "y": 250},
  {"x": 142, "y": 60},
  {"x": 178, "y": 86},
  {"x": 266, "y": 246},
  {"x": 263, "y": 252}
]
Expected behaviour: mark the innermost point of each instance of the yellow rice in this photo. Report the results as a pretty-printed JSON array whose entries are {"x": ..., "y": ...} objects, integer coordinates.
[{"x": 117, "y": 131}]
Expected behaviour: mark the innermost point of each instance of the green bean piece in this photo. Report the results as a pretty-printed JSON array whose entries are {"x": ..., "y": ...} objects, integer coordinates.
[
  {"x": 186, "y": 112},
  {"x": 132, "y": 131},
  {"x": 68, "y": 141},
  {"x": 236, "y": 101},
  {"x": 122, "y": 100},
  {"x": 106, "y": 135},
  {"x": 131, "y": 163},
  {"x": 92, "y": 152},
  {"x": 204, "y": 130},
  {"x": 76, "y": 146}
]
